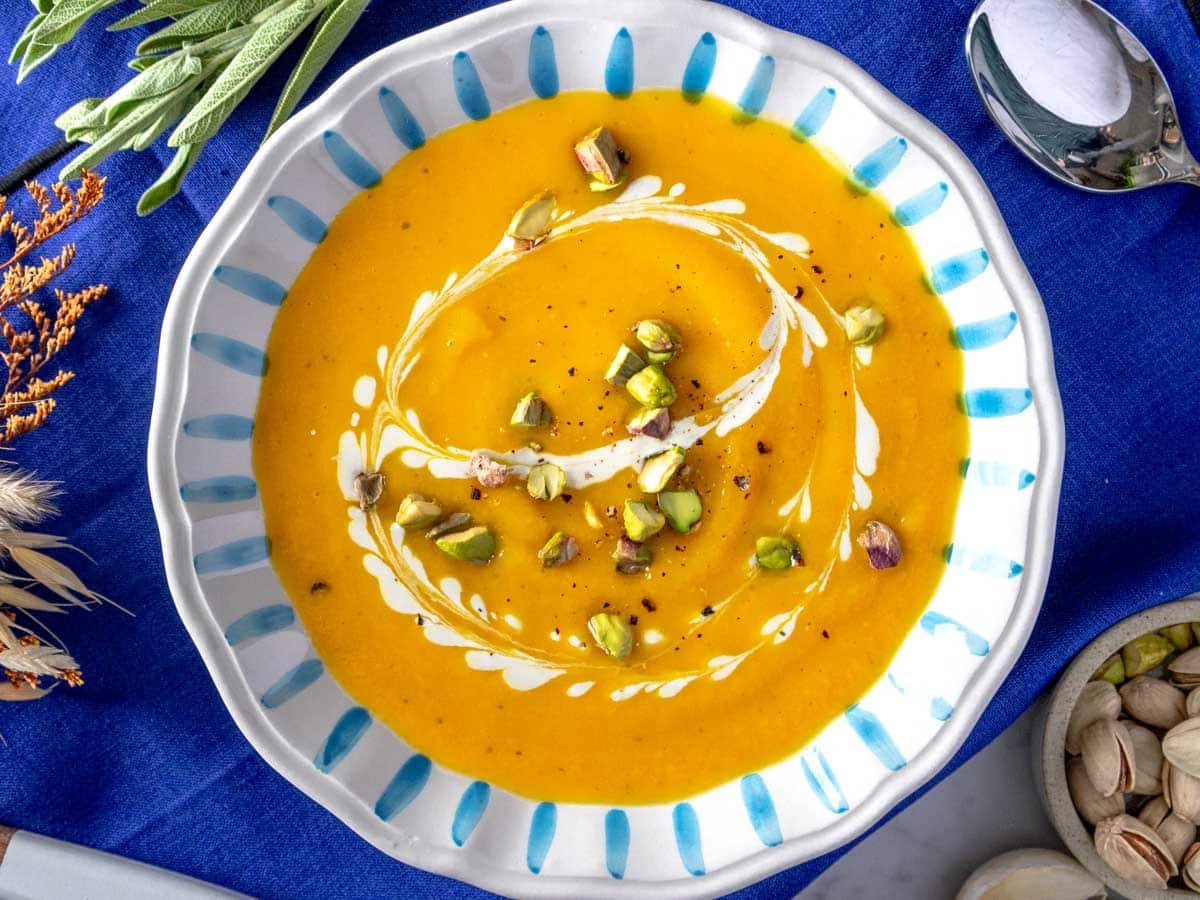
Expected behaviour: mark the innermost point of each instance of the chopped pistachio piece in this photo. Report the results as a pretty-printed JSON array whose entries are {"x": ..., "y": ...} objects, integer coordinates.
[
  {"x": 598, "y": 187},
  {"x": 777, "y": 551},
  {"x": 655, "y": 423},
  {"x": 559, "y": 550},
  {"x": 487, "y": 471},
  {"x": 1111, "y": 670},
  {"x": 882, "y": 545},
  {"x": 683, "y": 509},
  {"x": 642, "y": 521},
  {"x": 474, "y": 545},
  {"x": 453, "y": 522},
  {"x": 368, "y": 488},
  {"x": 661, "y": 339},
  {"x": 612, "y": 633},
  {"x": 660, "y": 357},
  {"x": 531, "y": 224},
  {"x": 1144, "y": 653},
  {"x": 416, "y": 512},
  {"x": 658, "y": 470},
  {"x": 624, "y": 366},
  {"x": 531, "y": 411},
  {"x": 651, "y": 387},
  {"x": 601, "y": 158},
  {"x": 631, "y": 556},
  {"x": 546, "y": 481},
  {"x": 864, "y": 325},
  {"x": 591, "y": 516},
  {"x": 1179, "y": 635}
]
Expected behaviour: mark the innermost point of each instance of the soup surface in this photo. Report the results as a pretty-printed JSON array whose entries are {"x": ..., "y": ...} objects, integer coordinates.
[{"x": 409, "y": 337}]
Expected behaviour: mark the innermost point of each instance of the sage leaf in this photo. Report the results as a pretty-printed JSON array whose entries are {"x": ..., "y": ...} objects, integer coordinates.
[
  {"x": 67, "y": 17},
  {"x": 170, "y": 114},
  {"x": 333, "y": 26},
  {"x": 168, "y": 183},
  {"x": 34, "y": 56},
  {"x": 159, "y": 79},
  {"x": 256, "y": 56},
  {"x": 157, "y": 9},
  {"x": 123, "y": 131},
  {"x": 77, "y": 113},
  {"x": 25, "y": 39},
  {"x": 43, "y": 6},
  {"x": 210, "y": 19}
]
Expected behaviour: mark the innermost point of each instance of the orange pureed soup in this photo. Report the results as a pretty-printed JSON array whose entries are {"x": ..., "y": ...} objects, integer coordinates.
[{"x": 417, "y": 326}]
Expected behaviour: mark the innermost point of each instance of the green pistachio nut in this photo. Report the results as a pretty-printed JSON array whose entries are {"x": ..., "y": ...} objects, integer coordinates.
[
  {"x": 531, "y": 224},
  {"x": 474, "y": 545},
  {"x": 546, "y": 481},
  {"x": 1196, "y": 631},
  {"x": 1145, "y": 653},
  {"x": 596, "y": 186},
  {"x": 1179, "y": 635},
  {"x": 642, "y": 521},
  {"x": 558, "y": 551},
  {"x": 658, "y": 470},
  {"x": 655, "y": 423},
  {"x": 651, "y": 387},
  {"x": 624, "y": 366},
  {"x": 632, "y": 558},
  {"x": 683, "y": 509},
  {"x": 1111, "y": 670},
  {"x": 777, "y": 551},
  {"x": 864, "y": 325},
  {"x": 612, "y": 634},
  {"x": 657, "y": 336},
  {"x": 453, "y": 522},
  {"x": 530, "y": 412},
  {"x": 417, "y": 512},
  {"x": 591, "y": 516}
]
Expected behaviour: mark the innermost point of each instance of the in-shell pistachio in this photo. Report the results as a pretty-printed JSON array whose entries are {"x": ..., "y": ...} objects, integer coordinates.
[
  {"x": 545, "y": 481},
  {"x": 1181, "y": 745},
  {"x": 1031, "y": 874},
  {"x": 1091, "y": 805},
  {"x": 1145, "y": 652},
  {"x": 1111, "y": 670},
  {"x": 1153, "y": 702},
  {"x": 1182, "y": 792},
  {"x": 612, "y": 633},
  {"x": 1147, "y": 760},
  {"x": 416, "y": 511},
  {"x": 651, "y": 387},
  {"x": 559, "y": 550},
  {"x": 1184, "y": 670},
  {"x": 368, "y": 488},
  {"x": 1107, "y": 755},
  {"x": 1097, "y": 700},
  {"x": 1177, "y": 833},
  {"x": 600, "y": 156},
  {"x": 864, "y": 325},
  {"x": 1134, "y": 851},
  {"x": 1192, "y": 704},
  {"x": 1190, "y": 870},
  {"x": 882, "y": 545},
  {"x": 487, "y": 471},
  {"x": 531, "y": 224}
]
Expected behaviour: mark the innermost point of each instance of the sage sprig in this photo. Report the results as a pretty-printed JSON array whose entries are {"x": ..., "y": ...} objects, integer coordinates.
[{"x": 191, "y": 74}]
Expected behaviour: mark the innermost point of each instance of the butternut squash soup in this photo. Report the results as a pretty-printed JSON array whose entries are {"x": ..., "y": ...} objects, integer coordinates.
[{"x": 609, "y": 448}]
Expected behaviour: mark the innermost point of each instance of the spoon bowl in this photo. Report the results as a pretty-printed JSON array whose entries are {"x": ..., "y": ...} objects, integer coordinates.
[{"x": 1078, "y": 94}]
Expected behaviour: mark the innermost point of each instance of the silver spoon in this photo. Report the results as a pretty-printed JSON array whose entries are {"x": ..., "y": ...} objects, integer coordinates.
[{"x": 1078, "y": 94}]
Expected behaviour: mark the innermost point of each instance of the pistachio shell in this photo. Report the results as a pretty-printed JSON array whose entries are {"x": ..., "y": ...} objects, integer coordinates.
[
  {"x": 1155, "y": 810},
  {"x": 1097, "y": 700},
  {"x": 1182, "y": 792},
  {"x": 1111, "y": 670},
  {"x": 1178, "y": 834},
  {"x": 1181, "y": 745},
  {"x": 1091, "y": 805},
  {"x": 1192, "y": 705},
  {"x": 1032, "y": 874},
  {"x": 1190, "y": 870},
  {"x": 1145, "y": 652},
  {"x": 1153, "y": 702},
  {"x": 1134, "y": 851},
  {"x": 1107, "y": 754},
  {"x": 1184, "y": 670},
  {"x": 1147, "y": 760}
]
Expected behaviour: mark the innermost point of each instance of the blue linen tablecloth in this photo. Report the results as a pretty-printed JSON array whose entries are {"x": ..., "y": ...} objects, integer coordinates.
[{"x": 144, "y": 760}]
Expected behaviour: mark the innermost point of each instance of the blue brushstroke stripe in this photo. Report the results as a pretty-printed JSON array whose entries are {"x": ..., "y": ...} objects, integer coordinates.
[
  {"x": 984, "y": 333},
  {"x": 470, "y": 810},
  {"x": 997, "y": 474},
  {"x": 877, "y": 165},
  {"x": 543, "y": 69},
  {"x": 836, "y": 805},
  {"x": 977, "y": 645},
  {"x": 228, "y": 352},
  {"x": 233, "y": 555},
  {"x": 687, "y": 838},
  {"x": 815, "y": 115},
  {"x": 307, "y": 225},
  {"x": 699, "y": 69},
  {"x": 618, "y": 70},
  {"x": 758, "y": 88},
  {"x": 292, "y": 683},
  {"x": 616, "y": 842},
  {"x": 951, "y": 274},
  {"x": 345, "y": 734},
  {"x": 940, "y": 709},
  {"x": 983, "y": 562},
  {"x": 541, "y": 835},
  {"x": 252, "y": 284},
  {"x": 404, "y": 787},
  {"x": 872, "y": 733},
  {"x": 220, "y": 427},
  {"x": 222, "y": 489},
  {"x": 255, "y": 624},
  {"x": 349, "y": 161},
  {"x": 761, "y": 810},
  {"x": 922, "y": 206},
  {"x": 994, "y": 403},
  {"x": 469, "y": 89},
  {"x": 403, "y": 123}
]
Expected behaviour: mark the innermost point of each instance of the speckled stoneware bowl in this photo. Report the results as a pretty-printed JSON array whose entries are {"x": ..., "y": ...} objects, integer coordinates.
[
  {"x": 218, "y": 558},
  {"x": 1050, "y": 738}
]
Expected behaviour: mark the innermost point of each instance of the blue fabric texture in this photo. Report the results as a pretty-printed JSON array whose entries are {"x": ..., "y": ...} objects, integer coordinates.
[{"x": 145, "y": 761}]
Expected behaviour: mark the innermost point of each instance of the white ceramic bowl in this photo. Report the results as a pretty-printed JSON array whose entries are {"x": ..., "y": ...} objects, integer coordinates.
[{"x": 218, "y": 558}]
